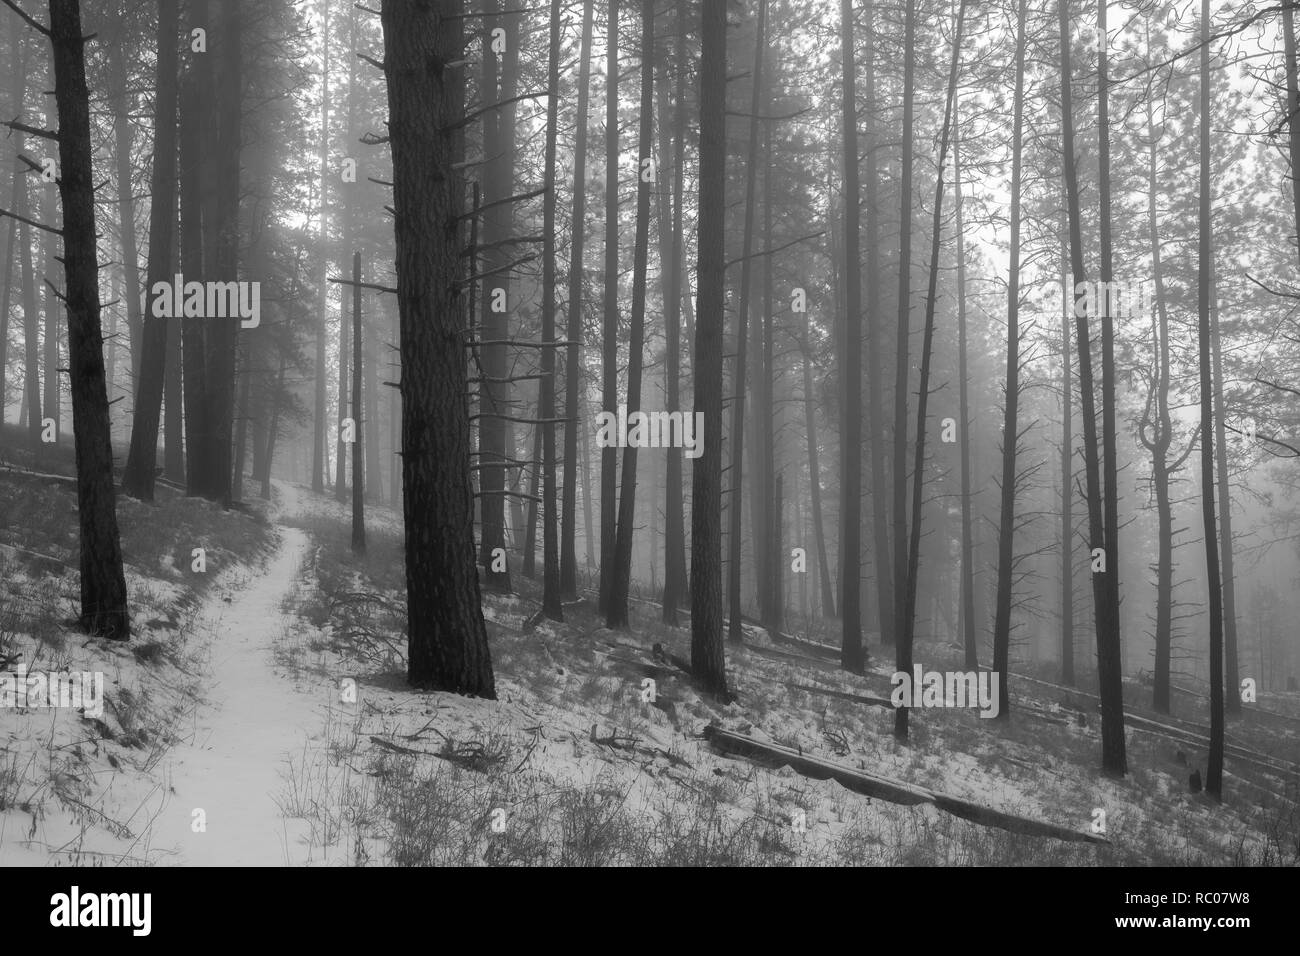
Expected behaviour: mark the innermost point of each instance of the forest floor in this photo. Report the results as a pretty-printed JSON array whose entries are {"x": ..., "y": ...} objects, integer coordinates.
[{"x": 269, "y": 694}]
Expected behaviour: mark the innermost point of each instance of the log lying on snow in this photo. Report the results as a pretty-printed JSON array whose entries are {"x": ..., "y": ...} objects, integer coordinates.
[{"x": 887, "y": 788}]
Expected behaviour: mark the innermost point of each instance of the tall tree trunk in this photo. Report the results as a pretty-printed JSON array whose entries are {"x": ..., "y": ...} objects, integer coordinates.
[
  {"x": 223, "y": 334},
  {"x": 737, "y": 437},
  {"x": 1232, "y": 680},
  {"x": 814, "y": 477},
  {"x": 495, "y": 393},
  {"x": 672, "y": 149},
  {"x": 103, "y": 585},
  {"x": 1292, "y": 111},
  {"x": 447, "y": 639},
  {"x": 141, "y": 462},
  {"x": 904, "y": 649},
  {"x": 192, "y": 328},
  {"x": 707, "y": 661},
  {"x": 318, "y": 461},
  {"x": 358, "y": 397},
  {"x": 573, "y": 398},
  {"x": 853, "y": 655},
  {"x": 341, "y": 446},
  {"x": 52, "y": 406},
  {"x": 1010, "y": 421},
  {"x": 609, "y": 325},
  {"x": 902, "y": 356},
  {"x": 884, "y": 570},
  {"x": 1067, "y": 463},
  {"x": 1113, "y": 759},
  {"x": 969, "y": 643},
  {"x": 617, "y": 613},
  {"x": 1204, "y": 286},
  {"x": 1110, "y": 659},
  {"x": 551, "y": 606}
]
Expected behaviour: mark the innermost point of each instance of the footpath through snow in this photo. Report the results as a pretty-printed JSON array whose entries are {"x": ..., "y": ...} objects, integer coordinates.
[{"x": 253, "y": 719}]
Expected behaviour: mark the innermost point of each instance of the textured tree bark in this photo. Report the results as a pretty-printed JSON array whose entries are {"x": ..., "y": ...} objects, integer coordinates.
[
  {"x": 1110, "y": 660},
  {"x": 853, "y": 655},
  {"x": 1113, "y": 759},
  {"x": 498, "y": 179},
  {"x": 609, "y": 323},
  {"x": 318, "y": 462},
  {"x": 736, "y": 454},
  {"x": 1067, "y": 466},
  {"x": 901, "y": 355},
  {"x": 1231, "y": 677},
  {"x": 814, "y": 478},
  {"x": 884, "y": 570},
  {"x": 197, "y": 444},
  {"x": 1205, "y": 305},
  {"x": 550, "y": 525},
  {"x": 617, "y": 613},
  {"x": 672, "y": 144},
  {"x": 52, "y": 404},
  {"x": 1011, "y": 400},
  {"x": 967, "y": 615},
  {"x": 103, "y": 585},
  {"x": 923, "y": 390},
  {"x": 446, "y": 638},
  {"x": 574, "y": 405},
  {"x": 707, "y": 661},
  {"x": 141, "y": 462}
]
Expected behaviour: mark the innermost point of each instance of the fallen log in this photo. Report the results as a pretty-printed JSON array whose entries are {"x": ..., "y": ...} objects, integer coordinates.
[
  {"x": 887, "y": 788},
  {"x": 843, "y": 695}
]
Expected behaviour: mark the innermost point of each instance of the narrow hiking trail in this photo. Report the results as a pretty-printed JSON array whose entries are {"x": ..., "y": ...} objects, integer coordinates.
[{"x": 253, "y": 719}]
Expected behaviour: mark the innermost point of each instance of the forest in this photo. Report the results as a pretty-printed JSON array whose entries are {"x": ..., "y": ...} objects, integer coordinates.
[{"x": 656, "y": 433}]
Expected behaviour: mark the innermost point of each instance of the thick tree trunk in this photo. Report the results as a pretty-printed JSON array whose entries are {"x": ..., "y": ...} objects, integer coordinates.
[
  {"x": 550, "y": 524},
  {"x": 814, "y": 478},
  {"x": 884, "y": 570},
  {"x": 103, "y": 585},
  {"x": 1011, "y": 398},
  {"x": 1205, "y": 287},
  {"x": 617, "y": 613},
  {"x": 499, "y": 79},
  {"x": 736, "y": 455},
  {"x": 141, "y": 462},
  {"x": 1067, "y": 463},
  {"x": 1231, "y": 677},
  {"x": 707, "y": 662},
  {"x": 197, "y": 445},
  {"x": 319, "y": 417},
  {"x": 904, "y": 649},
  {"x": 967, "y": 586},
  {"x": 609, "y": 324},
  {"x": 902, "y": 357},
  {"x": 574, "y": 404},
  {"x": 52, "y": 405},
  {"x": 1110, "y": 660},
  {"x": 447, "y": 640},
  {"x": 672, "y": 152},
  {"x": 1113, "y": 758},
  {"x": 853, "y": 655}
]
